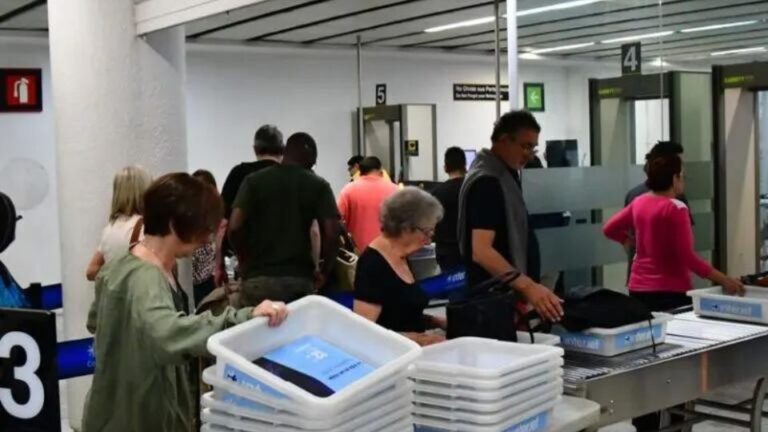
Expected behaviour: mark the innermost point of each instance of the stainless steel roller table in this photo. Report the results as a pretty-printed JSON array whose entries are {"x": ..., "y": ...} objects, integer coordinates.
[{"x": 698, "y": 356}]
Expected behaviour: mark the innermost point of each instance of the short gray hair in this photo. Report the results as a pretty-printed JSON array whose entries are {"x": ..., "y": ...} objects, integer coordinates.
[{"x": 409, "y": 209}]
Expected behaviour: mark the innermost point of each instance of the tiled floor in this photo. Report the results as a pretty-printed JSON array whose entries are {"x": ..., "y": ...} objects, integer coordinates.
[{"x": 731, "y": 394}]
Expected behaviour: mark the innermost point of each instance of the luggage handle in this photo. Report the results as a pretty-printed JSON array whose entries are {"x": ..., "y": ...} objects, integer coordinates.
[{"x": 493, "y": 283}]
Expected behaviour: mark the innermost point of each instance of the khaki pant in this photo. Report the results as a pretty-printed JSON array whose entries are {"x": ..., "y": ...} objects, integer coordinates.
[{"x": 285, "y": 289}]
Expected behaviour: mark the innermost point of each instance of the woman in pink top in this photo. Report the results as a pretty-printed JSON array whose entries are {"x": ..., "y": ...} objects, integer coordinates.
[{"x": 665, "y": 257}]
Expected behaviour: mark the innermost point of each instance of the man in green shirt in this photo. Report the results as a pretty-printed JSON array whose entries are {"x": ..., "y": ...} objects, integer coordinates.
[{"x": 270, "y": 227}]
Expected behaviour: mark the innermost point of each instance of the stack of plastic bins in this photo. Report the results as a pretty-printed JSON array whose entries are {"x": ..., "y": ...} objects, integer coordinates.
[
  {"x": 247, "y": 397},
  {"x": 479, "y": 385}
]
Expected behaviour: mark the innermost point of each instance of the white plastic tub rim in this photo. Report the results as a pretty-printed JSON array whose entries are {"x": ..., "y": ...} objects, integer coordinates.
[
  {"x": 534, "y": 419},
  {"x": 373, "y": 422},
  {"x": 486, "y": 395},
  {"x": 386, "y": 351},
  {"x": 466, "y": 416},
  {"x": 491, "y": 384},
  {"x": 610, "y": 342},
  {"x": 234, "y": 394},
  {"x": 403, "y": 393},
  {"x": 538, "y": 338},
  {"x": 473, "y": 357},
  {"x": 500, "y": 405},
  {"x": 714, "y": 302}
]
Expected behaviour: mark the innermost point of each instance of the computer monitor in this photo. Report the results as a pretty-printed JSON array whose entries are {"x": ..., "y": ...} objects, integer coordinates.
[{"x": 470, "y": 155}]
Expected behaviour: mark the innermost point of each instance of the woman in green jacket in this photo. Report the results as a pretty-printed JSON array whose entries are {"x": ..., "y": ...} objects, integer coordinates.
[{"x": 144, "y": 335}]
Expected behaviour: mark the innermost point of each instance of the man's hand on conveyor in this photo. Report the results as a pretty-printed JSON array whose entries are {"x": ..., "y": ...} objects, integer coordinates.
[{"x": 546, "y": 303}]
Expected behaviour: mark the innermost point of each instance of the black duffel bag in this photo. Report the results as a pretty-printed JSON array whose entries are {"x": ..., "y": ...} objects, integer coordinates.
[{"x": 487, "y": 310}]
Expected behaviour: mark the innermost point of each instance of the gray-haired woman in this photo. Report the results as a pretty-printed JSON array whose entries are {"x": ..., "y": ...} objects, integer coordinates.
[{"x": 385, "y": 289}]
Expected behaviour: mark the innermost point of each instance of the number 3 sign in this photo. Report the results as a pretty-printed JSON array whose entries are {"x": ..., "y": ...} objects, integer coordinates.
[{"x": 29, "y": 392}]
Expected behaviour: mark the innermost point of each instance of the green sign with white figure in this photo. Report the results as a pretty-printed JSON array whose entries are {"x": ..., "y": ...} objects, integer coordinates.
[{"x": 534, "y": 96}]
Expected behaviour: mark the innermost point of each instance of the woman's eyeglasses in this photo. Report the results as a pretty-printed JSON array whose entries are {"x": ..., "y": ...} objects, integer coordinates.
[{"x": 429, "y": 232}]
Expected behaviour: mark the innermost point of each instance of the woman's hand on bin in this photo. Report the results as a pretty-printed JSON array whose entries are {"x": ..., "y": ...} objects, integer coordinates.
[
  {"x": 733, "y": 286},
  {"x": 276, "y": 312}
]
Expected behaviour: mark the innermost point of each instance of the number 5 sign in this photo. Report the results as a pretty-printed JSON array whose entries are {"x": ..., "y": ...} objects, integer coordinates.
[
  {"x": 631, "y": 59},
  {"x": 29, "y": 388}
]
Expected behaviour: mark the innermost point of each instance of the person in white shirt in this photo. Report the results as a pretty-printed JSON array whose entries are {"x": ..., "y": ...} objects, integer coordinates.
[{"x": 125, "y": 221}]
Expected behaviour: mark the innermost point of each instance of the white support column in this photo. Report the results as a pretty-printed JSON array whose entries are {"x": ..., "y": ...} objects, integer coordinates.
[
  {"x": 512, "y": 71},
  {"x": 118, "y": 100}
]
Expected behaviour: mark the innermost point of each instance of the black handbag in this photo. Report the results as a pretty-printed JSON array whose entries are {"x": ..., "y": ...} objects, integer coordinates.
[{"x": 487, "y": 311}]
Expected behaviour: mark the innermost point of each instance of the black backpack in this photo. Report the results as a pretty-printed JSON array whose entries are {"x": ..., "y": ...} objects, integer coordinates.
[{"x": 602, "y": 308}]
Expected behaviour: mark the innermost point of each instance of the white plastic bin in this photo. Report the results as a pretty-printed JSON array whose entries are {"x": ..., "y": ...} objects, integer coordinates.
[
  {"x": 453, "y": 392},
  {"x": 713, "y": 302},
  {"x": 615, "y": 341},
  {"x": 375, "y": 421},
  {"x": 478, "y": 358},
  {"x": 391, "y": 397},
  {"x": 236, "y": 395},
  {"x": 535, "y": 417},
  {"x": 538, "y": 338},
  {"x": 387, "y": 352},
  {"x": 490, "y": 407},
  {"x": 489, "y": 384}
]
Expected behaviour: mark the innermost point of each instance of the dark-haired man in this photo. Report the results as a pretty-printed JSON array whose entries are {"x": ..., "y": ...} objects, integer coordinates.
[
  {"x": 268, "y": 147},
  {"x": 446, "y": 240},
  {"x": 360, "y": 202},
  {"x": 270, "y": 226},
  {"x": 494, "y": 235}
]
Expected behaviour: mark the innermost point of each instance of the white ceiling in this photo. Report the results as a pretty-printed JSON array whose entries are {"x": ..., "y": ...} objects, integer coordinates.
[{"x": 401, "y": 24}]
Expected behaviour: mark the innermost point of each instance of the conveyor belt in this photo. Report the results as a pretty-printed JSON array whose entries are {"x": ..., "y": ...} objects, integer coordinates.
[
  {"x": 686, "y": 334},
  {"x": 699, "y": 355}
]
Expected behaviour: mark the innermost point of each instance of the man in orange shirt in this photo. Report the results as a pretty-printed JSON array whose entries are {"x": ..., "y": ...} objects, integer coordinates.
[{"x": 360, "y": 202}]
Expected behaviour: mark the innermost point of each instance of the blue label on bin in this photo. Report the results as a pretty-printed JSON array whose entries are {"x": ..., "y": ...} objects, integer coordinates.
[
  {"x": 581, "y": 340},
  {"x": 536, "y": 423},
  {"x": 638, "y": 336},
  {"x": 244, "y": 380},
  {"x": 732, "y": 307},
  {"x": 309, "y": 361},
  {"x": 242, "y": 402}
]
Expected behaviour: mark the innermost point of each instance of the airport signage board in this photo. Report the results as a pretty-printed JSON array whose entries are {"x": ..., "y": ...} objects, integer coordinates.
[
  {"x": 478, "y": 92},
  {"x": 29, "y": 382}
]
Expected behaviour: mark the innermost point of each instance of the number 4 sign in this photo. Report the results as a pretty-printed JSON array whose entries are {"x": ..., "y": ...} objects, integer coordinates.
[
  {"x": 29, "y": 389},
  {"x": 631, "y": 59}
]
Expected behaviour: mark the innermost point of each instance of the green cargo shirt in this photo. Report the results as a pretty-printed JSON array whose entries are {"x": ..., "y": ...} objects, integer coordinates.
[
  {"x": 143, "y": 348},
  {"x": 280, "y": 204}
]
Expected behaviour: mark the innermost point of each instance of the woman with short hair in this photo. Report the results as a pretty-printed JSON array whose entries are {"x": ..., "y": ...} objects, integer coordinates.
[
  {"x": 144, "y": 335},
  {"x": 665, "y": 257},
  {"x": 385, "y": 289},
  {"x": 128, "y": 187}
]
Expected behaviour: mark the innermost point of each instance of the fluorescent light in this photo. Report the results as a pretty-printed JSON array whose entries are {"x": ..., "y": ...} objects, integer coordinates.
[
  {"x": 638, "y": 37},
  {"x": 468, "y": 23},
  {"x": 530, "y": 56},
  {"x": 561, "y": 48},
  {"x": 658, "y": 62},
  {"x": 558, "y": 6},
  {"x": 740, "y": 51},
  {"x": 538, "y": 10},
  {"x": 718, "y": 26}
]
